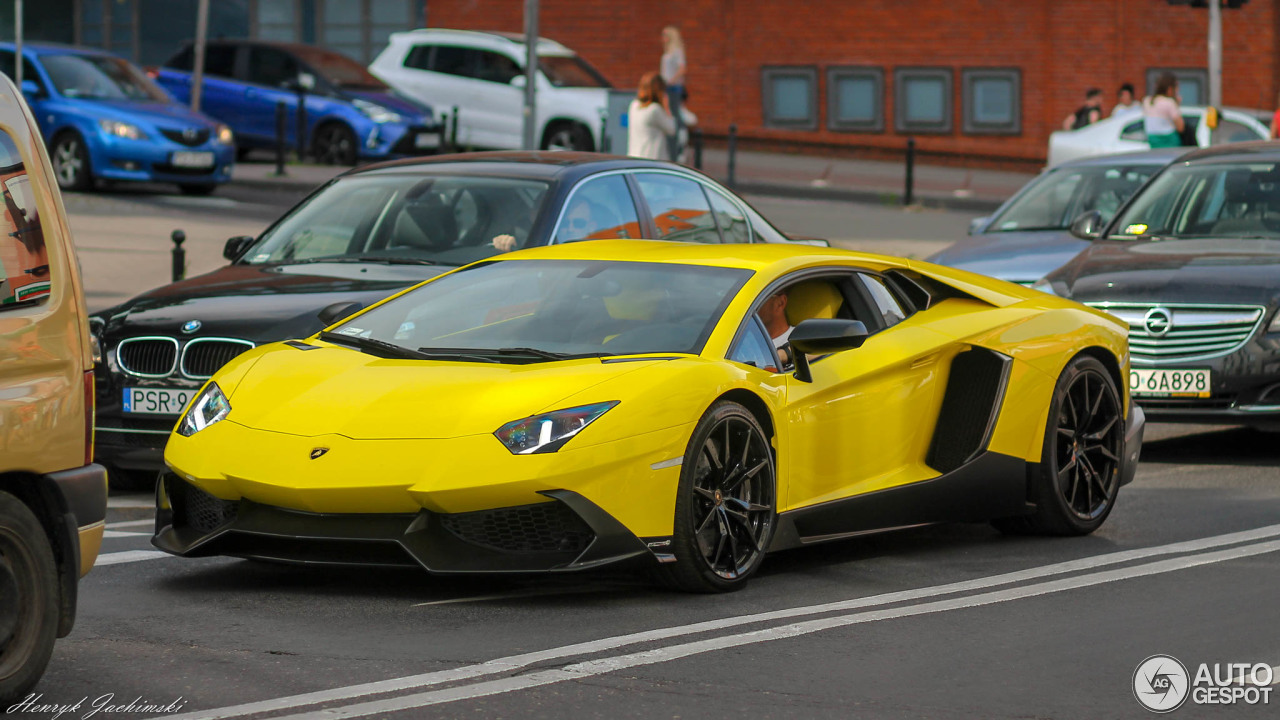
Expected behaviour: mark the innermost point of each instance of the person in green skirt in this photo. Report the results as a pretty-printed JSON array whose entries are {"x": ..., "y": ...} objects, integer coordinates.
[{"x": 1162, "y": 114}]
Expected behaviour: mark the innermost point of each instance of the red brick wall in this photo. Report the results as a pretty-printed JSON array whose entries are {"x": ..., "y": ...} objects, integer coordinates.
[{"x": 1061, "y": 46}]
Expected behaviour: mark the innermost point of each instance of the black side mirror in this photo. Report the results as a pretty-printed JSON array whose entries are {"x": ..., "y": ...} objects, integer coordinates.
[
  {"x": 820, "y": 337},
  {"x": 337, "y": 311},
  {"x": 236, "y": 246},
  {"x": 1088, "y": 226}
]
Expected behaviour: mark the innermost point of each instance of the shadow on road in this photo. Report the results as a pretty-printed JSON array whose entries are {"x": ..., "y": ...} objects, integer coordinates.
[{"x": 1228, "y": 446}]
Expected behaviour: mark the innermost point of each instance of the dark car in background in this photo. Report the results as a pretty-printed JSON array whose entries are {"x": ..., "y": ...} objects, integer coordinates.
[
  {"x": 350, "y": 114},
  {"x": 1192, "y": 264},
  {"x": 103, "y": 119},
  {"x": 364, "y": 235},
  {"x": 1030, "y": 234}
]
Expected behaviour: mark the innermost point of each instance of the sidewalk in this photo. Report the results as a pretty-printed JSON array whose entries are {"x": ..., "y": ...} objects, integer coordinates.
[{"x": 777, "y": 174}]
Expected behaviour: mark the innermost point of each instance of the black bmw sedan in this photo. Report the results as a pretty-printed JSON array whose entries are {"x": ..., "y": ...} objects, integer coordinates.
[
  {"x": 1192, "y": 263},
  {"x": 366, "y": 234}
]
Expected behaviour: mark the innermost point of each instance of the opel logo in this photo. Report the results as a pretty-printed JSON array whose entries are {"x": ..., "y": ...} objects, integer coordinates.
[
  {"x": 1158, "y": 322},
  {"x": 191, "y": 326},
  {"x": 318, "y": 452},
  {"x": 190, "y": 134}
]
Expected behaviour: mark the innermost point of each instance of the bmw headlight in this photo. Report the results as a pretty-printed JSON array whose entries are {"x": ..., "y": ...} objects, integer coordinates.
[
  {"x": 125, "y": 130},
  {"x": 376, "y": 112},
  {"x": 224, "y": 135},
  {"x": 550, "y": 431},
  {"x": 209, "y": 407}
]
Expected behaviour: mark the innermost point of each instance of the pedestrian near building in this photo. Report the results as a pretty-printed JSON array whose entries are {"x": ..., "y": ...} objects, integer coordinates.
[
  {"x": 1162, "y": 114},
  {"x": 1088, "y": 113},
  {"x": 1275, "y": 121},
  {"x": 1126, "y": 101},
  {"x": 649, "y": 122},
  {"x": 672, "y": 67}
]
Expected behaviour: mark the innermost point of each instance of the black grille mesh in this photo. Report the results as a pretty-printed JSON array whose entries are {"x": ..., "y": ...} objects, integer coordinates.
[
  {"x": 549, "y": 527},
  {"x": 203, "y": 359},
  {"x": 199, "y": 137},
  {"x": 148, "y": 357},
  {"x": 201, "y": 511}
]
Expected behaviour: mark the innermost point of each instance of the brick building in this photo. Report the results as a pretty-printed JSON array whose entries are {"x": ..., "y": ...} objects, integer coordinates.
[{"x": 967, "y": 78}]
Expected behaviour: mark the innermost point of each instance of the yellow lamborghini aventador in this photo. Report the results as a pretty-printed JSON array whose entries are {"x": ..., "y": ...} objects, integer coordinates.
[{"x": 698, "y": 405}]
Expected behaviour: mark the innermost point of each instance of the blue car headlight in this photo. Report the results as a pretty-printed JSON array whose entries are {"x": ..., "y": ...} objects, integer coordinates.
[
  {"x": 224, "y": 135},
  {"x": 209, "y": 407},
  {"x": 549, "y": 432},
  {"x": 376, "y": 112},
  {"x": 116, "y": 128}
]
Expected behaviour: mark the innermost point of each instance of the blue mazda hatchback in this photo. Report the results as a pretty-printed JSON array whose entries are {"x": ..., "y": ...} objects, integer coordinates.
[
  {"x": 350, "y": 114},
  {"x": 103, "y": 119}
]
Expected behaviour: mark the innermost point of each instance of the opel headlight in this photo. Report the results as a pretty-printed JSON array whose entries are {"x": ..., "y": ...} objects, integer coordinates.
[
  {"x": 224, "y": 135},
  {"x": 550, "y": 431},
  {"x": 115, "y": 128},
  {"x": 376, "y": 112},
  {"x": 209, "y": 407}
]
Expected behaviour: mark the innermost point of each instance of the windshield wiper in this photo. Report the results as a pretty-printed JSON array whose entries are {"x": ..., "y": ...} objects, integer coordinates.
[
  {"x": 513, "y": 353},
  {"x": 384, "y": 259},
  {"x": 379, "y": 348}
]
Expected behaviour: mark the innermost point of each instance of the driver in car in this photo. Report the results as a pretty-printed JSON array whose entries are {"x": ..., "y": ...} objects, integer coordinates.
[{"x": 773, "y": 313}]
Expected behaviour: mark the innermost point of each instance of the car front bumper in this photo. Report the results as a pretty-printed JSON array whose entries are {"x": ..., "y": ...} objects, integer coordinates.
[
  {"x": 152, "y": 161},
  {"x": 1244, "y": 389}
]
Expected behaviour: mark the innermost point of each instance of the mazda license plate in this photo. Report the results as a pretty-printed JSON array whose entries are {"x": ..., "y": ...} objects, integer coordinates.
[
  {"x": 426, "y": 141},
  {"x": 186, "y": 159},
  {"x": 155, "y": 401},
  {"x": 1150, "y": 382}
]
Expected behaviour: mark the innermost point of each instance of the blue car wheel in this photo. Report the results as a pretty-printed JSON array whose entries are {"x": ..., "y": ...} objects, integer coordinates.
[
  {"x": 70, "y": 160},
  {"x": 334, "y": 144}
]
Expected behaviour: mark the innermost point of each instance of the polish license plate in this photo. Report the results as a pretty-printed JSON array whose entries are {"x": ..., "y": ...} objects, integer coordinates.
[
  {"x": 155, "y": 401},
  {"x": 425, "y": 141},
  {"x": 1150, "y": 382},
  {"x": 192, "y": 159}
]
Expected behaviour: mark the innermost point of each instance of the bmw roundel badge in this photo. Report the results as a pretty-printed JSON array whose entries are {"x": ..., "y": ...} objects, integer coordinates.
[{"x": 191, "y": 326}]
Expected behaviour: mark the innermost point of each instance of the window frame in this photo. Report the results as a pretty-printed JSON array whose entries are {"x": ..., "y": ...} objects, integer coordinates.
[
  {"x": 1199, "y": 73},
  {"x": 643, "y": 217},
  {"x": 757, "y": 326},
  {"x": 836, "y": 73},
  {"x": 901, "y": 77},
  {"x": 970, "y": 124},
  {"x": 633, "y": 177},
  {"x": 769, "y": 73}
]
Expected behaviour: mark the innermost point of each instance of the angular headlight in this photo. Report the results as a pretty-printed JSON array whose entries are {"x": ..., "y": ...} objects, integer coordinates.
[
  {"x": 122, "y": 129},
  {"x": 550, "y": 431},
  {"x": 209, "y": 407},
  {"x": 376, "y": 112},
  {"x": 224, "y": 135}
]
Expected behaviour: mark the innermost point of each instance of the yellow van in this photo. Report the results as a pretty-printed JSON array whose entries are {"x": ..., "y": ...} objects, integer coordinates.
[{"x": 53, "y": 499}]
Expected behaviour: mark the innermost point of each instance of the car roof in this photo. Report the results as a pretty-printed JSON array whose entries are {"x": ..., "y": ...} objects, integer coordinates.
[
  {"x": 756, "y": 256},
  {"x": 1261, "y": 150},
  {"x": 546, "y": 164},
  {"x": 544, "y": 44},
  {"x": 1159, "y": 156}
]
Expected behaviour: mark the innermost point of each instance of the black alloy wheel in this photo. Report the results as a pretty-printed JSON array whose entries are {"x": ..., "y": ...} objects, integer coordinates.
[
  {"x": 725, "y": 507},
  {"x": 568, "y": 136},
  {"x": 28, "y": 599},
  {"x": 334, "y": 144},
  {"x": 1079, "y": 474},
  {"x": 70, "y": 159}
]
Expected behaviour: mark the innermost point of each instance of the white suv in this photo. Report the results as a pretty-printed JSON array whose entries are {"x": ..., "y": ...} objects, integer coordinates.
[{"x": 482, "y": 74}]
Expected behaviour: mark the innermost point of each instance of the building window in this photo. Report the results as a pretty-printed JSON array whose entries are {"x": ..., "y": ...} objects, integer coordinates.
[
  {"x": 276, "y": 20},
  {"x": 360, "y": 28},
  {"x": 1193, "y": 83},
  {"x": 992, "y": 101},
  {"x": 791, "y": 97},
  {"x": 922, "y": 100},
  {"x": 855, "y": 99}
]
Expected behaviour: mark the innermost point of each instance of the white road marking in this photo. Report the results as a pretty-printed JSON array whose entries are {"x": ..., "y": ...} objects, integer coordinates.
[
  {"x": 516, "y": 662},
  {"x": 122, "y": 533},
  {"x": 579, "y": 671},
  {"x": 128, "y": 556},
  {"x": 130, "y": 523},
  {"x": 131, "y": 502}
]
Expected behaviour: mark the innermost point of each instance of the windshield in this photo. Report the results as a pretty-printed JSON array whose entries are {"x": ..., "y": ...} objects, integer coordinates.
[
  {"x": 571, "y": 71},
  {"x": 447, "y": 220},
  {"x": 338, "y": 68},
  {"x": 1191, "y": 201},
  {"x": 100, "y": 78},
  {"x": 543, "y": 307},
  {"x": 1060, "y": 196}
]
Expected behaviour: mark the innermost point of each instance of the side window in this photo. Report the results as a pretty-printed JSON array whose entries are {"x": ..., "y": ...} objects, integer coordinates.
[
  {"x": 419, "y": 58},
  {"x": 453, "y": 61},
  {"x": 24, "y": 259},
  {"x": 732, "y": 222},
  {"x": 1230, "y": 131},
  {"x": 679, "y": 207},
  {"x": 495, "y": 67},
  {"x": 220, "y": 61},
  {"x": 599, "y": 209},
  {"x": 1136, "y": 131},
  {"x": 884, "y": 303},
  {"x": 271, "y": 67},
  {"x": 28, "y": 70},
  {"x": 755, "y": 349},
  {"x": 763, "y": 230}
]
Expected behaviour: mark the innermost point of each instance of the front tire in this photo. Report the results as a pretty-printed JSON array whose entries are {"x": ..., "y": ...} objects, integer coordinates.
[
  {"x": 725, "y": 504},
  {"x": 568, "y": 136},
  {"x": 1079, "y": 474},
  {"x": 334, "y": 144},
  {"x": 70, "y": 160},
  {"x": 29, "y": 583}
]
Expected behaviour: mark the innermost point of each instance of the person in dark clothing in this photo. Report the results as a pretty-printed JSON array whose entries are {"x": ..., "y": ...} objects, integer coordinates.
[{"x": 1087, "y": 114}]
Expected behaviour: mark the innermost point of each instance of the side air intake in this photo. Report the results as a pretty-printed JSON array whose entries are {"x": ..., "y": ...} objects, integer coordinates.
[{"x": 969, "y": 408}]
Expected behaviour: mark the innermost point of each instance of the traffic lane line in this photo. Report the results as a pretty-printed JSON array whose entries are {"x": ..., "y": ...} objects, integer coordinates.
[
  {"x": 122, "y": 533},
  {"x": 518, "y": 662},
  {"x": 579, "y": 671},
  {"x": 130, "y": 501},
  {"x": 130, "y": 523},
  {"x": 128, "y": 556}
]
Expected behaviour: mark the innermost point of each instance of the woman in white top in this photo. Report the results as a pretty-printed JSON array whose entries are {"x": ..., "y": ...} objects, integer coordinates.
[
  {"x": 1161, "y": 115},
  {"x": 672, "y": 67},
  {"x": 649, "y": 122}
]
